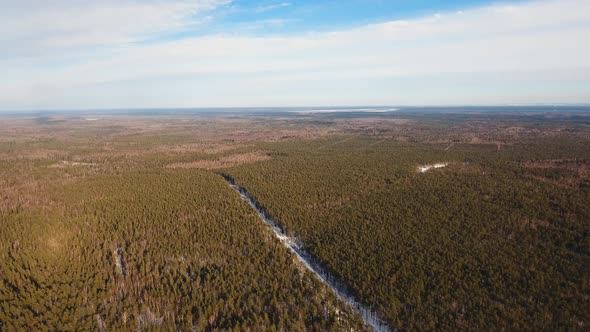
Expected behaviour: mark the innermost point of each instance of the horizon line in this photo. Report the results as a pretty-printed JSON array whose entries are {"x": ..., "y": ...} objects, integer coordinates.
[{"x": 331, "y": 107}]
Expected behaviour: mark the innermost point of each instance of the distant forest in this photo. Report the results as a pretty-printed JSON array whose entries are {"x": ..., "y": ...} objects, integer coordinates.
[{"x": 125, "y": 222}]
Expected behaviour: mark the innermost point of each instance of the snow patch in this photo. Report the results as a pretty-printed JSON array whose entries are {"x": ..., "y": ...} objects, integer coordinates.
[
  {"x": 118, "y": 252},
  {"x": 426, "y": 168},
  {"x": 64, "y": 163}
]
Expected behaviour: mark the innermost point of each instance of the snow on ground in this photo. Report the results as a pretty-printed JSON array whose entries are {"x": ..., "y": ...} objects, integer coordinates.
[
  {"x": 426, "y": 168},
  {"x": 66, "y": 163},
  {"x": 76, "y": 163},
  {"x": 367, "y": 314}
]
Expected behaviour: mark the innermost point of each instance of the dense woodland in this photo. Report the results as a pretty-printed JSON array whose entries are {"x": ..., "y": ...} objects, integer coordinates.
[
  {"x": 484, "y": 243},
  {"x": 123, "y": 248},
  {"x": 99, "y": 230}
]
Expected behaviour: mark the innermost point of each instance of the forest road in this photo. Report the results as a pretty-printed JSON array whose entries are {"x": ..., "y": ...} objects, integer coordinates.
[{"x": 368, "y": 315}]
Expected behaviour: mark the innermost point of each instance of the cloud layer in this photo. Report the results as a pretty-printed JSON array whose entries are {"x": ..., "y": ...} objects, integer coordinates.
[
  {"x": 94, "y": 57},
  {"x": 42, "y": 27}
]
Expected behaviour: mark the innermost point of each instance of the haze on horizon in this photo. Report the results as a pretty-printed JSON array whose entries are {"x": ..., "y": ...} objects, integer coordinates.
[{"x": 222, "y": 53}]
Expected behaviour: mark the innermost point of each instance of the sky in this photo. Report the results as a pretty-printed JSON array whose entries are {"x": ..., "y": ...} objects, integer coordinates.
[{"x": 83, "y": 54}]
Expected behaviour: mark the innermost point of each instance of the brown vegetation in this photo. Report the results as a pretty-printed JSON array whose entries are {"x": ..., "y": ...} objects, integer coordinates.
[
  {"x": 224, "y": 162},
  {"x": 561, "y": 172}
]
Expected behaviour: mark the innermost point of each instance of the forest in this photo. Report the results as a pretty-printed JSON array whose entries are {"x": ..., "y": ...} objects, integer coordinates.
[
  {"x": 123, "y": 248},
  {"x": 487, "y": 242},
  {"x": 126, "y": 223}
]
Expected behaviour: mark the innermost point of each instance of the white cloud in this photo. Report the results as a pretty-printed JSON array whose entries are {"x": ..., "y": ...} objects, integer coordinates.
[
  {"x": 41, "y": 27},
  {"x": 263, "y": 9},
  {"x": 531, "y": 52}
]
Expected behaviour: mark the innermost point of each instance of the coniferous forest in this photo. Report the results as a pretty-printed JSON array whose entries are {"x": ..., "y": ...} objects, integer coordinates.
[{"x": 127, "y": 223}]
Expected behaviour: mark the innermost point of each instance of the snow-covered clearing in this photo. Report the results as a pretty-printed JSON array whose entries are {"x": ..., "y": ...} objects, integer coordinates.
[{"x": 426, "y": 168}]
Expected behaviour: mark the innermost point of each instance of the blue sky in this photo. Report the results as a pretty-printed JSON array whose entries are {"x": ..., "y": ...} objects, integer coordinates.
[
  {"x": 306, "y": 15},
  {"x": 272, "y": 17},
  {"x": 199, "y": 53}
]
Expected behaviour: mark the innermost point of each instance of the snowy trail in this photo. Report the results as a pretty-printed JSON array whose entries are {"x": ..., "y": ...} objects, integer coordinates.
[{"x": 369, "y": 316}]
